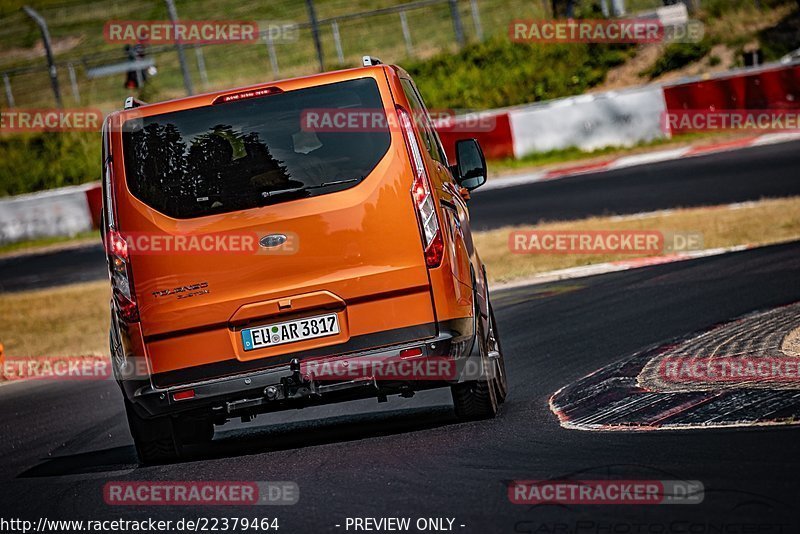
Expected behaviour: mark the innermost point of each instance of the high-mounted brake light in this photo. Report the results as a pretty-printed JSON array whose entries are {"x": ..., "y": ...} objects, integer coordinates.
[
  {"x": 244, "y": 95},
  {"x": 422, "y": 194}
]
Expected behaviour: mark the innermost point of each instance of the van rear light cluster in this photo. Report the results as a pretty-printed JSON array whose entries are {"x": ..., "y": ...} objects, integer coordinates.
[
  {"x": 119, "y": 264},
  {"x": 423, "y": 195},
  {"x": 119, "y": 269}
]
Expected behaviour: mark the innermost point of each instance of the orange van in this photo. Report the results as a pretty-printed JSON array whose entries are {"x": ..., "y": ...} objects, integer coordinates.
[{"x": 289, "y": 244}]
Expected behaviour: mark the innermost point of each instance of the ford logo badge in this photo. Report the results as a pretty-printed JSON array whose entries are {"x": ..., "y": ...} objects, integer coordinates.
[{"x": 272, "y": 240}]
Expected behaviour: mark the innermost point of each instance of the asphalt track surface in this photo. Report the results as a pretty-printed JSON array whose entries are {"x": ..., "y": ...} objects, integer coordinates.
[
  {"x": 61, "y": 442},
  {"x": 726, "y": 177},
  {"x": 720, "y": 178}
]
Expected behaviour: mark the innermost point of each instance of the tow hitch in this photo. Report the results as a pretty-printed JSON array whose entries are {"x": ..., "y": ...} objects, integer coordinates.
[{"x": 297, "y": 387}]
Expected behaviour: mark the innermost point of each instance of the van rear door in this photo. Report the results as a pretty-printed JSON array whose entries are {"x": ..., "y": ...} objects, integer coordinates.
[{"x": 264, "y": 208}]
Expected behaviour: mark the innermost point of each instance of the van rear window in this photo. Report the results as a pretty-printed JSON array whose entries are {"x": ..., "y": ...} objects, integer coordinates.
[{"x": 250, "y": 153}]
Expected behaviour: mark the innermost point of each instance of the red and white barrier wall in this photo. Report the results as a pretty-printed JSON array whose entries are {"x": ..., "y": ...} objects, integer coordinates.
[
  {"x": 621, "y": 118},
  {"x": 589, "y": 122},
  {"x": 769, "y": 88},
  {"x": 65, "y": 211}
]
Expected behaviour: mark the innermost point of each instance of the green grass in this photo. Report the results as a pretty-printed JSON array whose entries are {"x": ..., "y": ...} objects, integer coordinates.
[
  {"x": 760, "y": 223},
  {"x": 718, "y": 8},
  {"x": 489, "y": 74},
  {"x": 499, "y": 73},
  {"x": 552, "y": 157},
  {"x": 230, "y": 65},
  {"x": 431, "y": 34},
  {"x": 782, "y": 38},
  {"x": 33, "y": 162},
  {"x": 44, "y": 242},
  {"x": 676, "y": 56},
  {"x": 737, "y": 24}
]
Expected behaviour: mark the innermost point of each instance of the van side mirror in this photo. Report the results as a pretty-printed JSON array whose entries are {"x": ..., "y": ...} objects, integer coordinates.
[{"x": 470, "y": 164}]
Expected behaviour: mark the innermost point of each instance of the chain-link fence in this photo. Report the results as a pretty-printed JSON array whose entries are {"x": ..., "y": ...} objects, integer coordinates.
[{"x": 327, "y": 34}]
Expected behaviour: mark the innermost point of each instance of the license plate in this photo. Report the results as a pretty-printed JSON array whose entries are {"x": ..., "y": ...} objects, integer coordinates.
[{"x": 290, "y": 331}]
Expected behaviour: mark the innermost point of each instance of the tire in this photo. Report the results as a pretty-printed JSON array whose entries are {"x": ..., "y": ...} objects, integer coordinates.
[
  {"x": 500, "y": 377},
  {"x": 193, "y": 431},
  {"x": 155, "y": 439},
  {"x": 476, "y": 400}
]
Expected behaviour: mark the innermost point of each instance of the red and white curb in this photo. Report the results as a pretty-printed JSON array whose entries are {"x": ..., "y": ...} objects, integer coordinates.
[{"x": 638, "y": 160}]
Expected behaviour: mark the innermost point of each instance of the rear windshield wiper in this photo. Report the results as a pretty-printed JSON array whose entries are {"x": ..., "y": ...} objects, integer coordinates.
[{"x": 268, "y": 194}]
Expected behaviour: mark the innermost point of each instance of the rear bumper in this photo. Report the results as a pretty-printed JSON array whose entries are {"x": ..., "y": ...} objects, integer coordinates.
[{"x": 285, "y": 386}]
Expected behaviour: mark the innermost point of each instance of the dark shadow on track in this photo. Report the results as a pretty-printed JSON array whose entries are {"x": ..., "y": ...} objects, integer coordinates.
[
  {"x": 99, "y": 461},
  {"x": 257, "y": 440}
]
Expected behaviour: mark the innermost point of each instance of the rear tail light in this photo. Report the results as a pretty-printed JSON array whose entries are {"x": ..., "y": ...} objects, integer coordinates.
[
  {"x": 119, "y": 264},
  {"x": 119, "y": 267},
  {"x": 423, "y": 195}
]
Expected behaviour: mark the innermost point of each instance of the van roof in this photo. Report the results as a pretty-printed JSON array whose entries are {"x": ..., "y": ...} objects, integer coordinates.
[{"x": 205, "y": 99}]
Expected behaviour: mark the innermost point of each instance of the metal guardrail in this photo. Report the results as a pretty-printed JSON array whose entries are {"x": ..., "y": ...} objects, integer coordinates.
[
  {"x": 111, "y": 62},
  {"x": 119, "y": 68},
  {"x": 791, "y": 57}
]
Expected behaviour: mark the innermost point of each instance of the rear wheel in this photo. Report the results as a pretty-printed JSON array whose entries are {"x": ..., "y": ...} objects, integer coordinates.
[
  {"x": 478, "y": 399},
  {"x": 156, "y": 439},
  {"x": 495, "y": 351},
  {"x": 194, "y": 431}
]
